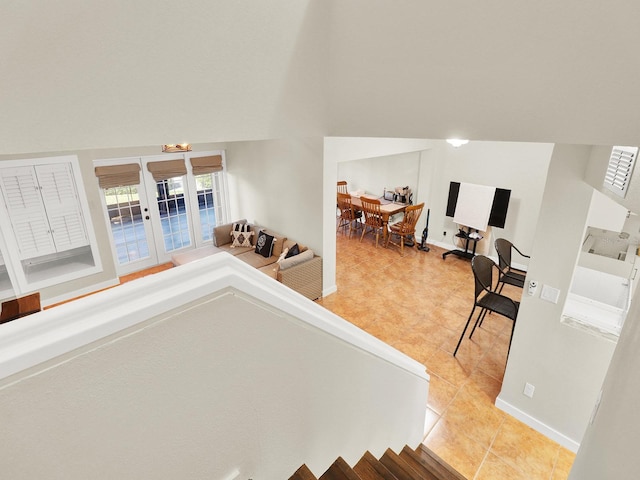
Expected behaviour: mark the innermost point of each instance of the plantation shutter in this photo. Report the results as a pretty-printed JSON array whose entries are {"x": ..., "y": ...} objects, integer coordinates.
[
  {"x": 209, "y": 164},
  {"x": 619, "y": 170},
  {"x": 28, "y": 217},
  {"x": 59, "y": 195},
  {"x": 118, "y": 175},
  {"x": 43, "y": 209},
  {"x": 167, "y": 169}
]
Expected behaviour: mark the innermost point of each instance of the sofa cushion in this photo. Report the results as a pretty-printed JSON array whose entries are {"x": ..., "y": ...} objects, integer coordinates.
[
  {"x": 256, "y": 260},
  {"x": 296, "y": 259},
  {"x": 264, "y": 244},
  {"x": 195, "y": 254},
  {"x": 270, "y": 271},
  {"x": 235, "y": 251},
  {"x": 222, "y": 233}
]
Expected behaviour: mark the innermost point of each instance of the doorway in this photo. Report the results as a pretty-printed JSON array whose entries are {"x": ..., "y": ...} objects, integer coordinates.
[{"x": 170, "y": 203}]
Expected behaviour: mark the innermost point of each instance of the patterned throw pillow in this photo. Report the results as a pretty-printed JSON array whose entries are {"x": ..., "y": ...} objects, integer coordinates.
[
  {"x": 240, "y": 227},
  {"x": 264, "y": 244},
  {"x": 241, "y": 239}
]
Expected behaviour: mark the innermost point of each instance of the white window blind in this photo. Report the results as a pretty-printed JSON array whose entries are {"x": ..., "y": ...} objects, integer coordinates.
[
  {"x": 620, "y": 168},
  {"x": 43, "y": 209}
]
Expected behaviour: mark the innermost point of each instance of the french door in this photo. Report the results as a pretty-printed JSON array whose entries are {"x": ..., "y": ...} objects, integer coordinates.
[{"x": 167, "y": 206}]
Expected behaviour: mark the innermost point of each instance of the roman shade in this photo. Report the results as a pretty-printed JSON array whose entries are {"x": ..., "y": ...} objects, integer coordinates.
[
  {"x": 167, "y": 169},
  {"x": 209, "y": 164},
  {"x": 118, "y": 175}
]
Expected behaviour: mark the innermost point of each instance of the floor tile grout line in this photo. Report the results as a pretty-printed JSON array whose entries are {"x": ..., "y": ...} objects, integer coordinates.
[{"x": 486, "y": 455}]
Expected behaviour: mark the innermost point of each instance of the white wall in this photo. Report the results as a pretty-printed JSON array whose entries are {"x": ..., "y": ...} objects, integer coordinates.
[
  {"x": 373, "y": 175},
  {"x": 485, "y": 71},
  {"x": 143, "y": 73},
  {"x": 197, "y": 372},
  {"x": 519, "y": 167},
  {"x": 566, "y": 365},
  {"x": 278, "y": 184},
  {"x": 609, "y": 447}
]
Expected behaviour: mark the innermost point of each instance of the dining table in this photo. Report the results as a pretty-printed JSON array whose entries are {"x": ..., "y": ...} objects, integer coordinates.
[{"x": 387, "y": 208}]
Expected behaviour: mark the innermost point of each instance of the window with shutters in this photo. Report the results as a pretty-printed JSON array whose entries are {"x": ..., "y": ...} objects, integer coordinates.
[
  {"x": 619, "y": 170},
  {"x": 45, "y": 229}
]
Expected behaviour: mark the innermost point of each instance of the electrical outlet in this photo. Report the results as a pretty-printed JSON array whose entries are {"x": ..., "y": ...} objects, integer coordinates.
[{"x": 528, "y": 390}]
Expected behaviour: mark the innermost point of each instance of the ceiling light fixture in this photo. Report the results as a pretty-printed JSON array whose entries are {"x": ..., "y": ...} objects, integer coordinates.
[
  {"x": 457, "y": 142},
  {"x": 179, "y": 147}
]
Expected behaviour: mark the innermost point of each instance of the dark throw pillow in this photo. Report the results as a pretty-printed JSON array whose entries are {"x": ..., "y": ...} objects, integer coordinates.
[
  {"x": 295, "y": 250},
  {"x": 264, "y": 244}
]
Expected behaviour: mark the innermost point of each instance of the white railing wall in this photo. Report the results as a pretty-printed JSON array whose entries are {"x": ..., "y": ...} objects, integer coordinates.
[{"x": 200, "y": 371}]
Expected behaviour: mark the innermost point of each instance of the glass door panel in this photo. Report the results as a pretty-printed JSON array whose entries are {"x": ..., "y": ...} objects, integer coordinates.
[
  {"x": 131, "y": 233},
  {"x": 172, "y": 210},
  {"x": 206, "y": 205}
]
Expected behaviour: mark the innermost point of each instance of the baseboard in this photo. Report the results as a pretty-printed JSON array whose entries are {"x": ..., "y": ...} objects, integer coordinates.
[
  {"x": 537, "y": 425},
  {"x": 330, "y": 290},
  {"x": 79, "y": 293}
]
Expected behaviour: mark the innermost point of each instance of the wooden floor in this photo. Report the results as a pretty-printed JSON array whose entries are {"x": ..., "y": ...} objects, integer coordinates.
[
  {"x": 419, "y": 304},
  {"x": 124, "y": 279}
]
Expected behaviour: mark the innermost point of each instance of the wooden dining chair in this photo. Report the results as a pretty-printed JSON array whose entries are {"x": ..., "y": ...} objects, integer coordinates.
[
  {"x": 20, "y": 307},
  {"x": 342, "y": 186},
  {"x": 372, "y": 217},
  {"x": 349, "y": 216},
  {"x": 405, "y": 227}
]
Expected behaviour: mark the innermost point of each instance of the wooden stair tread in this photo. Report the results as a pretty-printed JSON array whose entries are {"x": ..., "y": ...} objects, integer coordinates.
[
  {"x": 303, "y": 473},
  {"x": 370, "y": 468},
  {"x": 397, "y": 466},
  {"x": 339, "y": 470},
  {"x": 413, "y": 460},
  {"x": 410, "y": 464},
  {"x": 441, "y": 469}
]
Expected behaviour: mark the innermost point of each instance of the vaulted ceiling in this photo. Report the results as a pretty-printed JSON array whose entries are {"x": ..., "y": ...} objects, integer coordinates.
[{"x": 80, "y": 75}]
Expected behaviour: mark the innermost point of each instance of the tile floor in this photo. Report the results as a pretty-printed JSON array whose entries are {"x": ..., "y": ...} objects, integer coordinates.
[{"x": 430, "y": 298}]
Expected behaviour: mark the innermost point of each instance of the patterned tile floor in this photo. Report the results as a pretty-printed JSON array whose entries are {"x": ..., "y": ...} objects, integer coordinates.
[{"x": 430, "y": 298}]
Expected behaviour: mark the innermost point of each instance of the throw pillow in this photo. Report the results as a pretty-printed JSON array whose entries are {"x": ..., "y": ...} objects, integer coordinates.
[
  {"x": 264, "y": 245},
  {"x": 296, "y": 260},
  {"x": 240, "y": 227},
  {"x": 295, "y": 250},
  {"x": 283, "y": 255},
  {"x": 241, "y": 239}
]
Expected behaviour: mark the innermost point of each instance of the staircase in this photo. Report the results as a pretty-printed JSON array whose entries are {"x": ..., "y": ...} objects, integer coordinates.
[{"x": 418, "y": 464}]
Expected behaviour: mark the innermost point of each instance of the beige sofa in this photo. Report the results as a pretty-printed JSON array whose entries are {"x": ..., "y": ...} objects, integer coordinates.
[{"x": 302, "y": 272}]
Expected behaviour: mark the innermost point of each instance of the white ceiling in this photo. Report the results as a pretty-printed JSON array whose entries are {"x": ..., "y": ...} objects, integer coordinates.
[{"x": 80, "y": 75}]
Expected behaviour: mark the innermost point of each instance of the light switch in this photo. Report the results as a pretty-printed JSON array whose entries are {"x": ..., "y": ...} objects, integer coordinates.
[{"x": 550, "y": 294}]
